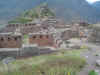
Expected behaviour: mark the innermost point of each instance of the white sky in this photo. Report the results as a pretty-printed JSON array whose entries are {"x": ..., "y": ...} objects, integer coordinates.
[{"x": 92, "y": 1}]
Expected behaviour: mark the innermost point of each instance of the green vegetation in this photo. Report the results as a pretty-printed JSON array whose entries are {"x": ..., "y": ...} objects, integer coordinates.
[
  {"x": 21, "y": 20},
  {"x": 60, "y": 63},
  {"x": 92, "y": 72},
  {"x": 25, "y": 39},
  {"x": 60, "y": 66},
  {"x": 41, "y": 11}
]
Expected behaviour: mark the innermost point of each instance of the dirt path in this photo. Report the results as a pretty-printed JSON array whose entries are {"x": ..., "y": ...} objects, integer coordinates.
[{"x": 90, "y": 58}]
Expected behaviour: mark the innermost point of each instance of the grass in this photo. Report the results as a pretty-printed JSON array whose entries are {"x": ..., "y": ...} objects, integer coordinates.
[
  {"x": 20, "y": 20},
  {"x": 92, "y": 72},
  {"x": 60, "y": 66},
  {"x": 25, "y": 40},
  {"x": 60, "y": 63}
]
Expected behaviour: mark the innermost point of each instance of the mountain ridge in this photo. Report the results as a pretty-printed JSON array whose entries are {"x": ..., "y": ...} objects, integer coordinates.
[
  {"x": 68, "y": 10},
  {"x": 76, "y": 10},
  {"x": 12, "y": 8},
  {"x": 97, "y": 5}
]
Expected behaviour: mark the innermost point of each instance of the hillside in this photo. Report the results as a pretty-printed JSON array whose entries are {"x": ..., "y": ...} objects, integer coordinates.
[
  {"x": 97, "y": 4},
  {"x": 41, "y": 11},
  {"x": 9, "y": 9},
  {"x": 75, "y": 10},
  {"x": 69, "y": 10}
]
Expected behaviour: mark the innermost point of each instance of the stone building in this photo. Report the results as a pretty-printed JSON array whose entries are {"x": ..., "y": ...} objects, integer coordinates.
[
  {"x": 22, "y": 27},
  {"x": 9, "y": 40},
  {"x": 80, "y": 29},
  {"x": 66, "y": 35},
  {"x": 75, "y": 30},
  {"x": 42, "y": 40},
  {"x": 49, "y": 32},
  {"x": 95, "y": 34}
]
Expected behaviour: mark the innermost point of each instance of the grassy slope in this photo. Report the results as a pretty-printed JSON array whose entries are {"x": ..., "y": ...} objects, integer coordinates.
[{"x": 54, "y": 64}]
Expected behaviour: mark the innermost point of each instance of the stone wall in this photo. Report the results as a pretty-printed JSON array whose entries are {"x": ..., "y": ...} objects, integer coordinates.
[
  {"x": 8, "y": 41},
  {"x": 94, "y": 36},
  {"x": 66, "y": 35},
  {"x": 13, "y": 27},
  {"x": 42, "y": 40}
]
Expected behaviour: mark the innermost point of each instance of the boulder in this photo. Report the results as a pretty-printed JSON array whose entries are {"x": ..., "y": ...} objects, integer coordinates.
[{"x": 98, "y": 63}]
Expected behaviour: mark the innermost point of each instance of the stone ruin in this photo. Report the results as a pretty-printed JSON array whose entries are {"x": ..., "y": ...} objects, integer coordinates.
[
  {"x": 50, "y": 32},
  {"x": 95, "y": 34},
  {"x": 9, "y": 40}
]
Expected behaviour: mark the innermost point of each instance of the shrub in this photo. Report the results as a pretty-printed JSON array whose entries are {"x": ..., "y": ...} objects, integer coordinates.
[{"x": 92, "y": 72}]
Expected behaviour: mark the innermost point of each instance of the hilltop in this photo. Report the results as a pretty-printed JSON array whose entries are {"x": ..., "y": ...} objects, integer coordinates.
[{"x": 38, "y": 12}]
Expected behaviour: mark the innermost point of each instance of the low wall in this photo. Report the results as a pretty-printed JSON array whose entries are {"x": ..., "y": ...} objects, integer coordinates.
[{"x": 23, "y": 52}]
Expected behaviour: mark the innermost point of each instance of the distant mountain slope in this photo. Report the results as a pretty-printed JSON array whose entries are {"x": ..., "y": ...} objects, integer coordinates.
[
  {"x": 97, "y": 4},
  {"x": 12, "y": 8},
  {"x": 69, "y": 10},
  {"x": 74, "y": 10},
  {"x": 41, "y": 11}
]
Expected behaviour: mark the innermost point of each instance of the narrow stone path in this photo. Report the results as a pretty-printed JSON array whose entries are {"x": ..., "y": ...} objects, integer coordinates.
[{"x": 91, "y": 58}]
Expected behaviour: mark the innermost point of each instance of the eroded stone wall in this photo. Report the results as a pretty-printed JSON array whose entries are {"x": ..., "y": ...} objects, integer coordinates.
[
  {"x": 42, "y": 40},
  {"x": 7, "y": 41}
]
